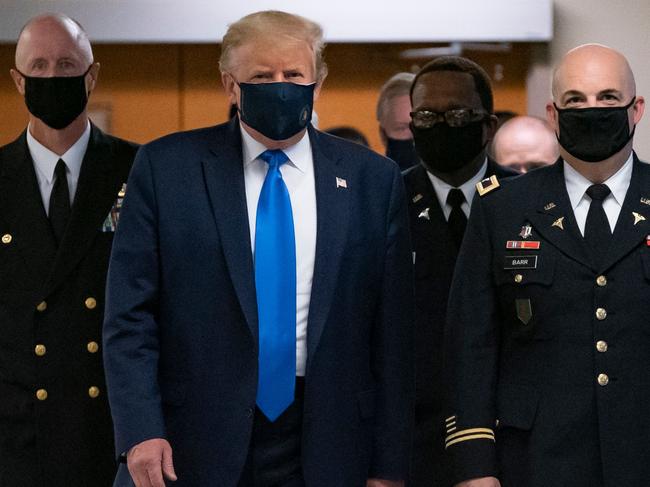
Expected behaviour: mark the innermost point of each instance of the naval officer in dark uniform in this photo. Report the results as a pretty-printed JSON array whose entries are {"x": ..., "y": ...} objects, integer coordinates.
[
  {"x": 452, "y": 123},
  {"x": 549, "y": 315},
  {"x": 61, "y": 185}
]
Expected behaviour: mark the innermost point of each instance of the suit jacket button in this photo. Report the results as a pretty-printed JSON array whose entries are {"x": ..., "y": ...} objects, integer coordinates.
[
  {"x": 41, "y": 394},
  {"x": 601, "y": 281},
  {"x": 93, "y": 347},
  {"x": 40, "y": 350},
  {"x": 7, "y": 238},
  {"x": 91, "y": 303},
  {"x": 601, "y": 314},
  {"x": 603, "y": 380},
  {"x": 42, "y": 306},
  {"x": 93, "y": 392}
]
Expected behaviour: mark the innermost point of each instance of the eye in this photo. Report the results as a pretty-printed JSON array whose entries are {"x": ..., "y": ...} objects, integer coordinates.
[{"x": 293, "y": 75}]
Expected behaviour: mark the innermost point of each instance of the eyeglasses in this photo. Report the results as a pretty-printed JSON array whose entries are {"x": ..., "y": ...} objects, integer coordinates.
[{"x": 425, "y": 119}]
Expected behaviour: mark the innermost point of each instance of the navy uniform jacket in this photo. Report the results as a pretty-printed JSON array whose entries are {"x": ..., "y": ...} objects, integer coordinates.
[
  {"x": 55, "y": 426},
  {"x": 181, "y": 327},
  {"x": 548, "y": 345},
  {"x": 435, "y": 258}
]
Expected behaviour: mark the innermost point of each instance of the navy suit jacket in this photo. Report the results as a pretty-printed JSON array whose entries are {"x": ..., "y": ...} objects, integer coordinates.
[{"x": 181, "y": 331}]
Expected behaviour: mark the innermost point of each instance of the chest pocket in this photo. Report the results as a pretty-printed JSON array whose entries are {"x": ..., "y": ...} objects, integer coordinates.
[{"x": 523, "y": 280}]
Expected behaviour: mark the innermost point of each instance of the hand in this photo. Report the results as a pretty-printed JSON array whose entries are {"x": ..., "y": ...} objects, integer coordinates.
[
  {"x": 482, "y": 482},
  {"x": 384, "y": 483},
  {"x": 149, "y": 461}
]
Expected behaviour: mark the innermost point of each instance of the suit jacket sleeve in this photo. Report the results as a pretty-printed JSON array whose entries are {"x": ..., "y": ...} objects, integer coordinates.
[
  {"x": 471, "y": 354},
  {"x": 130, "y": 326},
  {"x": 393, "y": 345}
]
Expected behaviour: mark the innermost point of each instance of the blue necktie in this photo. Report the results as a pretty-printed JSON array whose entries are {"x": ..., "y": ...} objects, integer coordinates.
[{"x": 275, "y": 284}]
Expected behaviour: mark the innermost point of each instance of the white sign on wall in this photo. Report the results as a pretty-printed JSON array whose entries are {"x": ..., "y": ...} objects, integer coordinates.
[{"x": 174, "y": 21}]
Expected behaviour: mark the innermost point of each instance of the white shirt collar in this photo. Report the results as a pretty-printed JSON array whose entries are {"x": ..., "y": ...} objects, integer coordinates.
[
  {"x": 468, "y": 187},
  {"x": 299, "y": 154},
  {"x": 45, "y": 160},
  {"x": 577, "y": 184}
]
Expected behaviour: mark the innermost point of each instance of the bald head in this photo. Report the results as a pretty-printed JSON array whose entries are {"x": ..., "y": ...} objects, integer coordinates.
[
  {"x": 592, "y": 68},
  {"x": 53, "y": 45},
  {"x": 524, "y": 143}
]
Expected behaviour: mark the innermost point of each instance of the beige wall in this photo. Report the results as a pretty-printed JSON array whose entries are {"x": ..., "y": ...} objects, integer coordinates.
[{"x": 621, "y": 24}]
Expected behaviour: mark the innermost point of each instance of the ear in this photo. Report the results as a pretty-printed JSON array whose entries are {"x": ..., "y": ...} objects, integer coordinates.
[
  {"x": 382, "y": 136},
  {"x": 319, "y": 85},
  {"x": 637, "y": 109},
  {"x": 230, "y": 87},
  {"x": 91, "y": 79},
  {"x": 551, "y": 116},
  {"x": 491, "y": 127},
  {"x": 19, "y": 81}
]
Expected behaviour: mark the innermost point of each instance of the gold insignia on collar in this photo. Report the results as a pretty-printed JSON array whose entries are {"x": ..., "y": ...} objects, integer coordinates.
[
  {"x": 638, "y": 217},
  {"x": 645, "y": 201},
  {"x": 559, "y": 223},
  {"x": 550, "y": 206},
  {"x": 487, "y": 185},
  {"x": 417, "y": 198}
]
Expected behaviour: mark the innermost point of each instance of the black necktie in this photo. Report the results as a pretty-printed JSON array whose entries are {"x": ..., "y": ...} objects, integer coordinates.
[
  {"x": 59, "y": 202},
  {"x": 597, "y": 231},
  {"x": 457, "y": 219}
]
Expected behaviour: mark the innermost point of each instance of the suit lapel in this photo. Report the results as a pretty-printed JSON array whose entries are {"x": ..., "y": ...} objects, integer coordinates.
[
  {"x": 224, "y": 176},
  {"x": 22, "y": 208},
  {"x": 332, "y": 207},
  {"x": 427, "y": 216},
  {"x": 633, "y": 224},
  {"x": 96, "y": 193},
  {"x": 554, "y": 219}
]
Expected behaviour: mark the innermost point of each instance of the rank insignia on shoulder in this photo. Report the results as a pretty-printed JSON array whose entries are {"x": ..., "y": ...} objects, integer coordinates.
[{"x": 487, "y": 185}]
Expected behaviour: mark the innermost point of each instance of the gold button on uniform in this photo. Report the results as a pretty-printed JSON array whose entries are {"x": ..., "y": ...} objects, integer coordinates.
[
  {"x": 519, "y": 278},
  {"x": 7, "y": 238},
  {"x": 601, "y": 281},
  {"x": 42, "y": 306},
  {"x": 91, "y": 303},
  {"x": 40, "y": 350},
  {"x": 93, "y": 392},
  {"x": 93, "y": 347},
  {"x": 41, "y": 394},
  {"x": 601, "y": 346},
  {"x": 601, "y": 314},
  {"x": 603, "y": 380}
]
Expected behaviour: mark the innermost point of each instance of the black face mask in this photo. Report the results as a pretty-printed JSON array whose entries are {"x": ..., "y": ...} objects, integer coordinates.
[
  {"x": 276, "y": 110},
  {"x": 594, "y": 134},
  {"x": 57, "y": 100},
  {"x": 446, "y": 149},
  {"x": 402, "y": 152}
]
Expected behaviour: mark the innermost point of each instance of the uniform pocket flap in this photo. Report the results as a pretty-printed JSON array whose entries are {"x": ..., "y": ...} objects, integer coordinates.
[
  {"x": 539, "y": 269},
  {"x": 517, "y": 406}
]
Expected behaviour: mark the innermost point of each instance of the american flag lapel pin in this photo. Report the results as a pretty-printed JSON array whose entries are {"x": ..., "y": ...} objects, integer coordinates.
[{"x": 341, "y": 183}]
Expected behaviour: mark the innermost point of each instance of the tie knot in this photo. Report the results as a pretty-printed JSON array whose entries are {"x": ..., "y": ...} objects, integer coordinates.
[
  {"x": 598, "y": 192},
  {"x": 274, "y": 158},
  {"x": 455, "y": 198},
  {"x": 59, "y": 170}
]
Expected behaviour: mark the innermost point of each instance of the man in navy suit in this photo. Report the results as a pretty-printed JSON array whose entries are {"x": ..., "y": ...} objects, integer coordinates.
[{"x": 240, "y": 243}]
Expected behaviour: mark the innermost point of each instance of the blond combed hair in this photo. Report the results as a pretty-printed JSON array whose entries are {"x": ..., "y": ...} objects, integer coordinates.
[{"x": 274, "y": 23}]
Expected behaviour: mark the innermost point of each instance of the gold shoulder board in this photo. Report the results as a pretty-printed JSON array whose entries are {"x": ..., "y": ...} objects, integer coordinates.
[{"x": 487, "y": 185}]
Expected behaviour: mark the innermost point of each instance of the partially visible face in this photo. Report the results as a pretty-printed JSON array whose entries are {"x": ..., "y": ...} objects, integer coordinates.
[
  {"x": 51, "y": 47},
  {"x": 396, "y": 118},
  {"x": 594, "y": 76},
  {"x": 441, "y": 91},
  {"x": 525, "y": 149},
  {"x": 270, "y": 61}
]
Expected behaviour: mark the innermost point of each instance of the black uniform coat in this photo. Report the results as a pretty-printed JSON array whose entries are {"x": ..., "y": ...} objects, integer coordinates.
[
  {"x": 435, "y": 258},
  {"x": 554, "y": 347},
  {"x": 51, "y": 309}
]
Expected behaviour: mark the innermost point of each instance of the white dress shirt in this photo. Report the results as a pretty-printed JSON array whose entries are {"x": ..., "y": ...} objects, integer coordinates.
[
  {"x": 45, "y": 162},
  {"x": 298, "y": 175},
  {"x": 577, "y": 185},
  {"x": 468, "y": 188}
]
